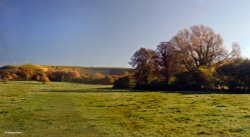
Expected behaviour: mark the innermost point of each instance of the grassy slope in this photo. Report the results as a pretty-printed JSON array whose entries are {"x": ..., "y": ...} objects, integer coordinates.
[{"x": 64, "y": 109}]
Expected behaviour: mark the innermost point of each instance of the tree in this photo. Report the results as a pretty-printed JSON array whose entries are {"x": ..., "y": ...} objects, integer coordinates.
[
  {"x": 199, "y": 46},
  {"x": 73, "y": 74},
  {"x": 167, "y": 62},
  {"x": 235, "y": 53},
  {"x": 26, "y": 73},
  {"x": 63, "y": 74},
  {"x": 98, "y": 75},
  {"x": 143, "y": 63},
  {"x": 6, "y": 77},
  {"x": 188, "y": 60}
]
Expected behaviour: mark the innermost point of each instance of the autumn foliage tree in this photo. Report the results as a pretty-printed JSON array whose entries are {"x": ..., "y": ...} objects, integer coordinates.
[
  {"x": 63, "y": 74},
  {"x": 200, "y": 47},
  {"x": 189, "y": 59},
  {"x": 6, "y": 77},
  {"x": 45, "y": 74},
  {"x": 26, "y": 73},
  {"x": 166, "y": 62},
  {"x": 143, "y": 63}
]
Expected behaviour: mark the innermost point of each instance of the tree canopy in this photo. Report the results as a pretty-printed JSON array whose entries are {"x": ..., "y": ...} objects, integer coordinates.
[{"x": 195, "y": 58}]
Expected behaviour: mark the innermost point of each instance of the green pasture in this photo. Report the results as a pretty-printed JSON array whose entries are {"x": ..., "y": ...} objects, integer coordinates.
[{"x": 32, "y": 109}]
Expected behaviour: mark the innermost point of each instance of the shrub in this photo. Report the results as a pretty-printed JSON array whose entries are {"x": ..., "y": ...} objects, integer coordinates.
[
  {"x": 125, "y": 82},
  {"x": 235, "y": 75},
  {"x": 158, "y": 85},
  {"x": 184, "y": 81},
  {"x": 63, "y": 75},
  {"x": 44, "y": 79},
  {"x": 6, "y": 77}
]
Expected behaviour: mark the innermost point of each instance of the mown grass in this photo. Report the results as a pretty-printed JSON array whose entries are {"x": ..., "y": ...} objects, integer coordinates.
[{"x": 66, "y": 109}]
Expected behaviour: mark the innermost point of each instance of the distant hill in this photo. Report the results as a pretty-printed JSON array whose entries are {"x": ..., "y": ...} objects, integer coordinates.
[{"x": 82, "y": 70}]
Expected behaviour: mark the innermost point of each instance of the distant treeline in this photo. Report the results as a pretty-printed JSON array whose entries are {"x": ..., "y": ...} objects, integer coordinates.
[
  {"x": 46, "y": 74},
  {"x": 193, "y": 59}
]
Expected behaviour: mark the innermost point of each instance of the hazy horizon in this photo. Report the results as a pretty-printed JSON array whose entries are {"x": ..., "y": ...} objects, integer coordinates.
[{"x": 106, "y": 33}]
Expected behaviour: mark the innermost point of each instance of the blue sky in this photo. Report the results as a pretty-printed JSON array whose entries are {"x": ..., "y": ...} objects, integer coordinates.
[{"x": 108, "y": 32}]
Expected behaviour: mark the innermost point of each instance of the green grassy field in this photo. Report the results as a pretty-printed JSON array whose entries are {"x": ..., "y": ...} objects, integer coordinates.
[{"x": 77, "y": 110}]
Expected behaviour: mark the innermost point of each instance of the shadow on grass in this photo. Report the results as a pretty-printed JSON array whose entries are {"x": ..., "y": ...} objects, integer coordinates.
[
  {"x": 209, "y": 92},
  {"x": 91, "y": 90},
  {"x": 198, "y": 92},
  {"x": 111, "y": 90}
]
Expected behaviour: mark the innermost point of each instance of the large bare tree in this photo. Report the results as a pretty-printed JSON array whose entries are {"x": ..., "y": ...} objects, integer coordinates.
[{"x": 199, "y": 46}]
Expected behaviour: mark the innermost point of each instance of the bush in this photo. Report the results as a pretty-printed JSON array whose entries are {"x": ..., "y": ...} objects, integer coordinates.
[
  {"x": 44, "y": 79},
  {"x": 63, "y": 75},
  {"x": 6, "y": 77},
  {"x": 158, "y": 85},
  {"x": 125, "y": 82},
  {"x": 235, "y": 75},
  {"x": 184, "y": 81},
  {"x": 204, "y": 77}
]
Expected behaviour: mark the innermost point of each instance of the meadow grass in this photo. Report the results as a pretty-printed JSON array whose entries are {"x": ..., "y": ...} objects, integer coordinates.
[{"x": 79, "y": 110}]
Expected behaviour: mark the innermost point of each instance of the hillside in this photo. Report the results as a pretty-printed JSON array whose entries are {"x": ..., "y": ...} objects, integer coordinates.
[
  {"x": 43, "y": 73},
  {"x": 82, "y": 70},
  {"x": 92, "y": 70}
]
